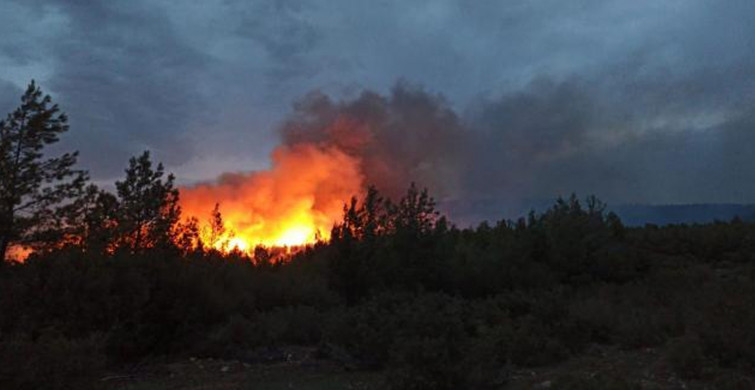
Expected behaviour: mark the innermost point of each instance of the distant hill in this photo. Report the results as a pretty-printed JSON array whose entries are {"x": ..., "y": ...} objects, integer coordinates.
[
  {"x": 466, "y": 213},
  {"x": 639, "y": 214}
]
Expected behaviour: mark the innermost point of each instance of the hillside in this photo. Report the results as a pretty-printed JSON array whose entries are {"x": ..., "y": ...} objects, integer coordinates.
[{"x": 473, "y": 212}]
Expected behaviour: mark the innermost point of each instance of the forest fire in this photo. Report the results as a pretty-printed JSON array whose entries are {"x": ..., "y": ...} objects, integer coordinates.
[
  {"x": 18, "y": 253},
  {"x": 294, "y": 203},
  {"x": 329, "y": 152}
]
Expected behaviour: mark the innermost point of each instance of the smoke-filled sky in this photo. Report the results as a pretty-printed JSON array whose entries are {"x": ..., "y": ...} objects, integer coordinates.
[{"x": 634, "y": 101}]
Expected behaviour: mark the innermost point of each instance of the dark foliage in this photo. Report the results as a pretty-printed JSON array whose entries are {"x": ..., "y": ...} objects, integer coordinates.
[
  {"x": 397, "y": 288},
  {"x": 34, "y": 188}
]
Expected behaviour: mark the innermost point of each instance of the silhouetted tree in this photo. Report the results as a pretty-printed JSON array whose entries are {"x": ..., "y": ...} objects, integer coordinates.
[
  {"x": 187, "y": 236},
  {"x": 216, "y": 230},
  {"x": 414, "y": 255},
  {"x": 415, "y": 213},
  {"x": 381, "y": 244},
  {"x": 90, "y": 221},
  {"x": 148, "y": 206},
  {"x": 355, "y": 241},
  {"x": 33, "y": 188}
]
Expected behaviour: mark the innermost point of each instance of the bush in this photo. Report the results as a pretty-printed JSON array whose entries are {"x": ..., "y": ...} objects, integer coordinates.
[
  {"x": 286, "y": 326},
  {"x": 367, "y": 331},
  {"x": 427, "y": 341},
  {"x": 733, "y": 381},
  {"x": 629, "y": 315},
  {"x": 427, "y": 363},
  {"x": 533, "y": 345},
  {"x": 298, "y": 325},
  {"x": 52, "y": 361},
  {"x": 726, "y": 325}
]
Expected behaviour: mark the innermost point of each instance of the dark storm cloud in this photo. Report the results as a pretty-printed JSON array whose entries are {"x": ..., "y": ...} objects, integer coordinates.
[
  {"x": 282, "y": 29},
  {"x": 9, "y": 94},
  {"x": 633, "y": 101},
  {"x": 124, "y": 77},
  {"x": 127, "y": 82},
  {"x": 628, "y": 136}
]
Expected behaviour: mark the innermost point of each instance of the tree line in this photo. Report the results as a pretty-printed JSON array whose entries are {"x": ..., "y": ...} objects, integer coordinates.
[{"x": 47, "y": 203}]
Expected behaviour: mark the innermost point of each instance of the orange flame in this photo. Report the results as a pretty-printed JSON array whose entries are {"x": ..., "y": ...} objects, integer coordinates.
[
  {"x": 294, "y": 203},
  {"x": 18, "y": 253}
]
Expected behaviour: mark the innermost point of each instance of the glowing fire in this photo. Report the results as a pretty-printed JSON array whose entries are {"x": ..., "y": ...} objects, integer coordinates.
[
  {"x": 233, "y": 243},
  {"x": 18, "y": 253},
  {"x": 296, "y": 202}
]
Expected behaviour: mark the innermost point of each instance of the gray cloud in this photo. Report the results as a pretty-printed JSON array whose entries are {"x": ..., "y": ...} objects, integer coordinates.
[
  {"x": 282, "y": 29},
  {"x": 127, "y": 81},
  {"x": 9, "y": 97},
  {"x": 634, "y": 101},
  {"x": 625, "y": 135}
]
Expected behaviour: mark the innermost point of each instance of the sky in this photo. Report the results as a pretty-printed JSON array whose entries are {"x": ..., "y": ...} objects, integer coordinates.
[{"x": 640, "y": 101}]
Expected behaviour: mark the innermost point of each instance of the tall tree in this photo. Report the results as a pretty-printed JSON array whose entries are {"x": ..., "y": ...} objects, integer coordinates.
[
  {"x": 216, "y": 230},
  {"x": 148, "y": 206},
  {"x": 33, "y": 188}
]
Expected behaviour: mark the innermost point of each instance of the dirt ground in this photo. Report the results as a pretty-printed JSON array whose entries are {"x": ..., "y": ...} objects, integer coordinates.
[{"x": 298, "y": 368}]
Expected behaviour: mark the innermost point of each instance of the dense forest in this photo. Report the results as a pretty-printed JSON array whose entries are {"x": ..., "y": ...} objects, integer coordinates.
[{"x": 117, "y": 278}]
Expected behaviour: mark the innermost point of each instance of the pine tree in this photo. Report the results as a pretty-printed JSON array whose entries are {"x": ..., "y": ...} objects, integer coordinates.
[
  {"x": 33, "y": 188},
  {"x": 90, "y": 221},
  {"x": 148, "y": 206},
  {"x": 216, "y": 238}
]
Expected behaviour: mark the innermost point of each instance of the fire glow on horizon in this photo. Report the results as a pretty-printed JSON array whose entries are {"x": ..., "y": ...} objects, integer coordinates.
[
  {"x": 329, "y": 152},
  {"x": 294, "y": 203}
]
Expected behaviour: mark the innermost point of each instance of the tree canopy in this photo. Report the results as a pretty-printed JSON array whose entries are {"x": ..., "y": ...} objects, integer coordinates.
[{"x": 35, "y": 188}]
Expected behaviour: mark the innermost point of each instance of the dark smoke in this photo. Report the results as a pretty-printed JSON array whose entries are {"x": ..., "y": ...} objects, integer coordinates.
[
  {"x": 407, "y": 136},
  {"x": 629, "y": 136}
]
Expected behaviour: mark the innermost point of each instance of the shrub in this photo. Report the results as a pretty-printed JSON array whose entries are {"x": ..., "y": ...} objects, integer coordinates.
[
  {"x": 300, "y": 325},
  {"x": 427, "y": 363},
  {"x": 532, "y": 345},
  {"x": 52, "y": 361},
  {"x": 726, "y": 325},
  {"x": 733, "y": 381}
]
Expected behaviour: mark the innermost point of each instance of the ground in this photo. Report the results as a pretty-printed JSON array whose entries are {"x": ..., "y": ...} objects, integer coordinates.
[
  {"x": 295, "y": 370},
  {"x": 601, "y": 367}
]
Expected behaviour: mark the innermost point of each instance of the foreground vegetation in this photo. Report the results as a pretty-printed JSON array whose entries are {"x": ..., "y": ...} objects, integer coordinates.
[
  {"x": 398, "y": 290},
  {"x": 117, "y": 280}
]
